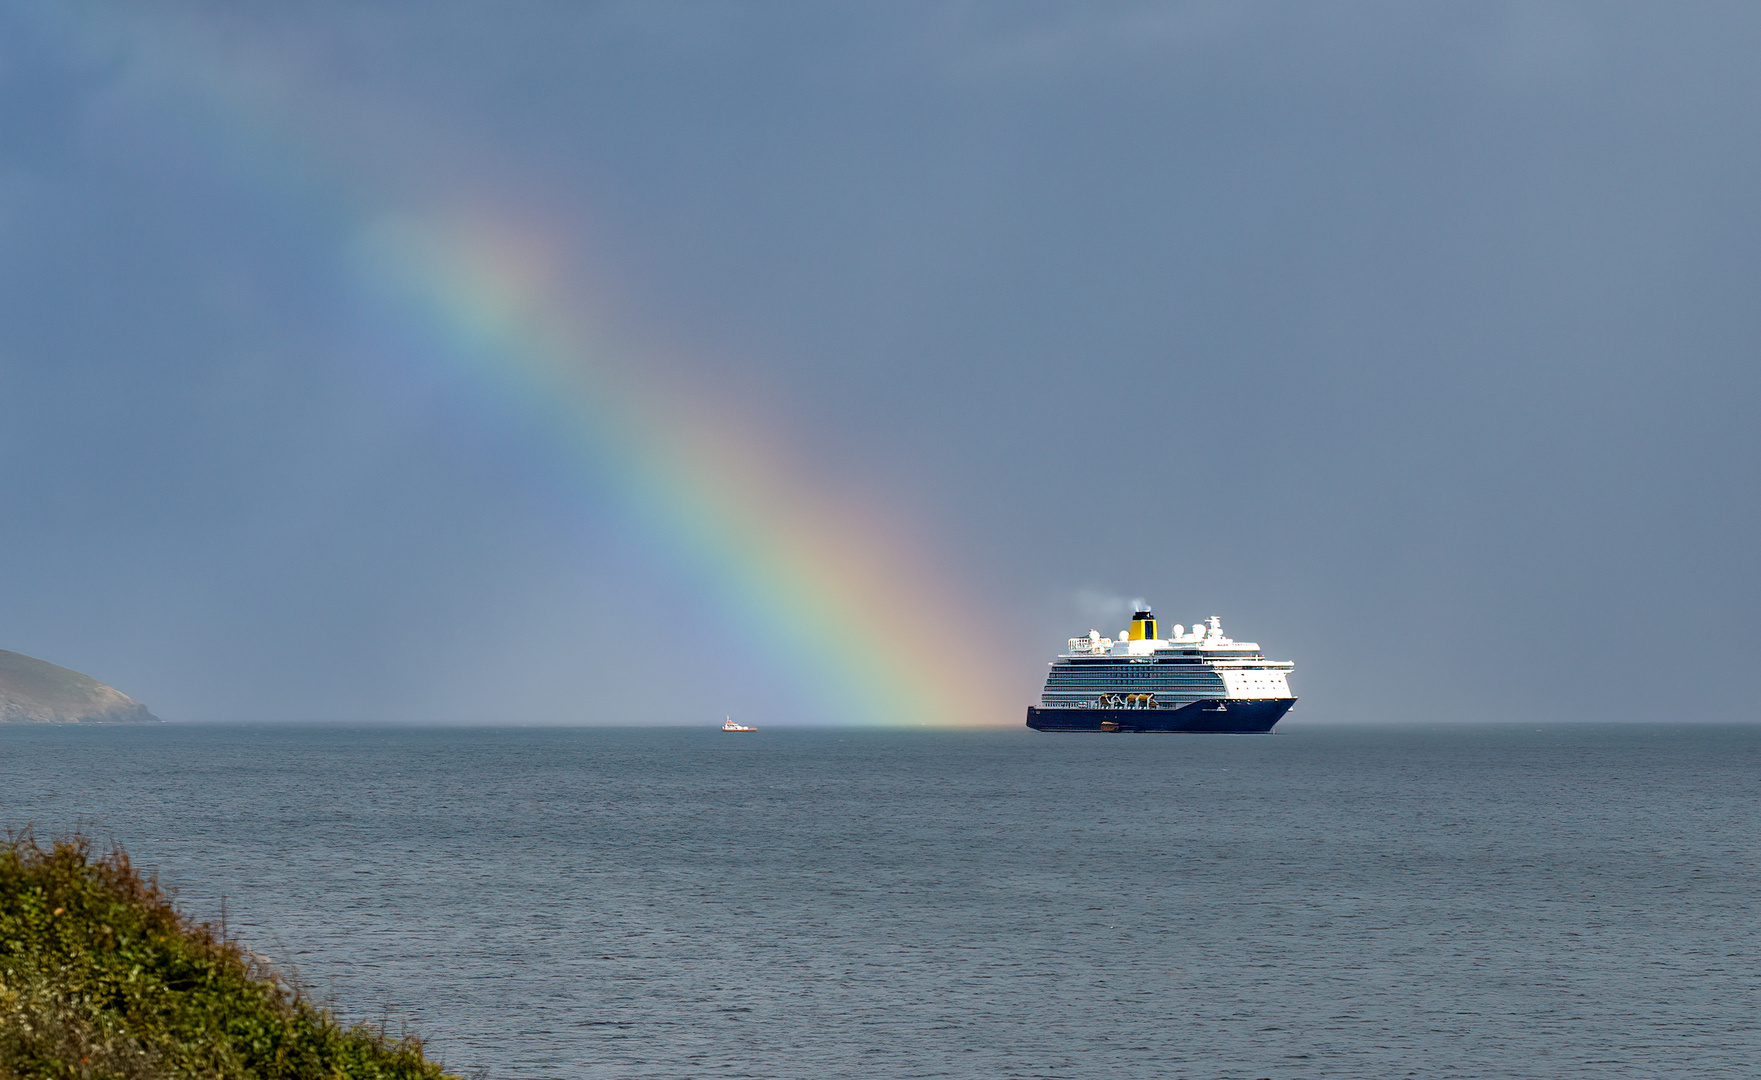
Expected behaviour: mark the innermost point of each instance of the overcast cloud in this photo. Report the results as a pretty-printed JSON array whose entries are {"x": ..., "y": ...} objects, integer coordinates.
[{"x": 1416, "y": 341}]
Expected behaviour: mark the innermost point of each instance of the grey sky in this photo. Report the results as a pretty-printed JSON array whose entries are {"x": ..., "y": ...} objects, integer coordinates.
[{"x": 1418, "y": 342}]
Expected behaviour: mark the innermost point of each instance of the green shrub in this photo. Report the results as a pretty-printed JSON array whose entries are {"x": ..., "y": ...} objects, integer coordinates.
[{"x": 102, "y": 979}]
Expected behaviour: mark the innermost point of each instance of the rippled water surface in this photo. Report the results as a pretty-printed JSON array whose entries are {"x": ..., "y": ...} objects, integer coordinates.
[{"x": 1485, "y": 902}]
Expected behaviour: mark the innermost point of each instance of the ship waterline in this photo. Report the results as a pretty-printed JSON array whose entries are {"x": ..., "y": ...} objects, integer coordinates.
[{"x": 1197, "y": 681}]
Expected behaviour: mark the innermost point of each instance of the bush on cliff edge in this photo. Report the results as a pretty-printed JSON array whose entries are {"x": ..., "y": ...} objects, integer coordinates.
[{"x": 101, "y": 978}]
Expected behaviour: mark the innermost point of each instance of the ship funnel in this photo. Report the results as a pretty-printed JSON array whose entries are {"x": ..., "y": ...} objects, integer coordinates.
[{"x": 1143, "y": 625}]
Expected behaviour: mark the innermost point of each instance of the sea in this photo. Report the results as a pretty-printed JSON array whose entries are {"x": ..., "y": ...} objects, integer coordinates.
[{"x": 1499, "y": 901}]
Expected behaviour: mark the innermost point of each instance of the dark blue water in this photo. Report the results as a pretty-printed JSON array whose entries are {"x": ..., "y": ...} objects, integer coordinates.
[{"x": 1484, "y": 902}]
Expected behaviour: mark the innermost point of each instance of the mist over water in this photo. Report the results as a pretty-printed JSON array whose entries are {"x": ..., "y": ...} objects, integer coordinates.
[{"x": 1563, "y": 901}]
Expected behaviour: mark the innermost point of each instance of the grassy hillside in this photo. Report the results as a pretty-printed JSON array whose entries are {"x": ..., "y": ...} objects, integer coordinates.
[{"x": 101, "y": 978}]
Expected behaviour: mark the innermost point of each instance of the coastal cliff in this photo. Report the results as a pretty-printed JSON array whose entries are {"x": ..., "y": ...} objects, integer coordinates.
[{"x": 35, "y": 691}]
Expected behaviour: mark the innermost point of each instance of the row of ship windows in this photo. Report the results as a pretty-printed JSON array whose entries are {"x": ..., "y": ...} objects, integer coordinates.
[
  {"x": 1139, "y": 686},
  {"x": 1170, "y": 688},
  {"x": 1105, "y": 676},
  {"x": 1135, "y": 686},
  {"x": 1115, "y": 665},
  {"x": 1123, "y": 661},
  {"x": 1138, "y": 673}
]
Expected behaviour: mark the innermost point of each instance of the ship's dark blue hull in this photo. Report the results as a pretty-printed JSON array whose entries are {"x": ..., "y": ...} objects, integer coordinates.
[{"x": 1215, "y": 715}]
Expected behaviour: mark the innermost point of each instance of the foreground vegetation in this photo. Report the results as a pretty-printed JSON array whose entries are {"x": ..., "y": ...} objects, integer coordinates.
[{"x": 101, "y": 978}]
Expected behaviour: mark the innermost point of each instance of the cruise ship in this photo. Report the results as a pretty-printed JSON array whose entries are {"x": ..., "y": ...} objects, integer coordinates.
[{"x": 1187, "y": 681}]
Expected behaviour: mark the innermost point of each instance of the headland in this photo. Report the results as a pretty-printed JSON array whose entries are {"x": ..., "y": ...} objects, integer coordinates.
[{"x": 35, "y": 691}]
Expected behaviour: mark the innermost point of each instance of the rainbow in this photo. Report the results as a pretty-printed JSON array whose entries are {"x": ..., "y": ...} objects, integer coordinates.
[{"x": 865, "y": 629}]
